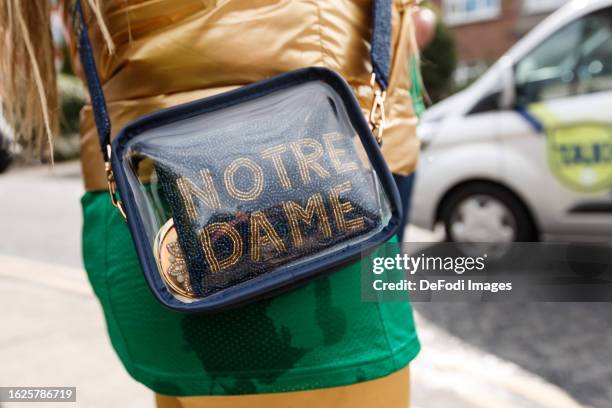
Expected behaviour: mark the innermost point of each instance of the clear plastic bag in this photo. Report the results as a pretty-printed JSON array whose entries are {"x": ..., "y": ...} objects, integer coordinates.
[{"x": 248, "y": 196}]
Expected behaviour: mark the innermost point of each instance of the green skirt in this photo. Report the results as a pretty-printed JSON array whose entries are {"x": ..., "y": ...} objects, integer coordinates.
[{"x": 320, "y": 335}]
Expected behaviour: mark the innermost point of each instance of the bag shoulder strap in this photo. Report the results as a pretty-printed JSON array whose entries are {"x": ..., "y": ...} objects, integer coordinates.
[
  {"x": 380, "y": 51},
  {"x": 88, "y": 62},
  {"x": 380, "y": 54}
]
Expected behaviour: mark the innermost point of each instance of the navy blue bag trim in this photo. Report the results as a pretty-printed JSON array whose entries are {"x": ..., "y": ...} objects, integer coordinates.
[
  {"x": 279, "y": 280},
  {"x": 285, "y": 277}
]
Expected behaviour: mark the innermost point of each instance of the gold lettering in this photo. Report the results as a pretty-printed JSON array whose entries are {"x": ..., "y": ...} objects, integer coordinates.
[
  {"x": 274, "y": 154},
  {"x": 342, "y": 208},
  {"x": 259, "y": 223},
  {"x": 296, "y": 213},
  {"x": 336, "y": 153},
  {"x": 310, "y": 160},
  {"x": 208, "y": 195},
  {"x": 257, "y": 178},
  {"x": 207, "y": 236}
]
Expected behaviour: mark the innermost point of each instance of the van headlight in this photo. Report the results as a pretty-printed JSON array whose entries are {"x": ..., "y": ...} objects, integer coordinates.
[{"x": 426, "y": 131}]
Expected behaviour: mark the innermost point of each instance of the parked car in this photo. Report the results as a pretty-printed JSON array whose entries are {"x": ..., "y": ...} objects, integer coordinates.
[{"x": 525, "y": 153}]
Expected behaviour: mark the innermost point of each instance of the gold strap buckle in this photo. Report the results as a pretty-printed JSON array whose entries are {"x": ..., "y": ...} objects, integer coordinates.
[
  {"x": 112, "y": 186},
  {"x": 377, "y": 116}
]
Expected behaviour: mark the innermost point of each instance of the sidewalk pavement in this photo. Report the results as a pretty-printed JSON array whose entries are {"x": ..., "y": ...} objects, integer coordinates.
[{"x": 66, "y": 345}]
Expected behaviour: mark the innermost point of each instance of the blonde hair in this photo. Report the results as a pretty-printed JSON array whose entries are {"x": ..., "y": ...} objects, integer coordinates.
[
  {"x": 28, "y": 87},
  {"x": 28, "y": 90}
]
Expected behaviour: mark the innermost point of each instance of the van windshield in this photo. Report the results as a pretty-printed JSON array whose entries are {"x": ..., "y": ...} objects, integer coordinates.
[{"x": 577, "y": 59}]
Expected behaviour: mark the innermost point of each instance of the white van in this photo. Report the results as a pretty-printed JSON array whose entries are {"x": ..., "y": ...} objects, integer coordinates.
[{"x": 525, "y": 153}]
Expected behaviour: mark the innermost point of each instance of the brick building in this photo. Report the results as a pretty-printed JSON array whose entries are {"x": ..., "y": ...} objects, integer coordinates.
[{"x": 485, "y": 29}]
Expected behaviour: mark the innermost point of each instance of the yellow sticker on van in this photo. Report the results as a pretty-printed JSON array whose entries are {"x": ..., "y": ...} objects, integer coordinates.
[{"x": 579, "y": 153}]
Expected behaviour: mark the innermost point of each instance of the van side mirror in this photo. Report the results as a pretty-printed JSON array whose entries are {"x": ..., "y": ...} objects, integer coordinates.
[{"x": 507, "y": 97}]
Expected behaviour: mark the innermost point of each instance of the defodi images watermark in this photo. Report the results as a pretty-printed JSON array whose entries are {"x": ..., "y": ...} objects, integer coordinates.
[
  {"x": 422, "y": 263},
  {"x": 488, "y": 272}
]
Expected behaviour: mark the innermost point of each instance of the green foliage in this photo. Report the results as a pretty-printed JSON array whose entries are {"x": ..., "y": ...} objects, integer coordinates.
[
  {"x": 438, "y": 62},
  {"x": 72, "y": 99}
]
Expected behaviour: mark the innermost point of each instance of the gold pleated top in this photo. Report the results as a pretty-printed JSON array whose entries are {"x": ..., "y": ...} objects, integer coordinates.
[{"x": 173, "y": 51}]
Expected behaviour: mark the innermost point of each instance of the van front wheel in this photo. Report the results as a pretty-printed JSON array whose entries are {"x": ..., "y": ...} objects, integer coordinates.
[{"x": 483, "y": 212}]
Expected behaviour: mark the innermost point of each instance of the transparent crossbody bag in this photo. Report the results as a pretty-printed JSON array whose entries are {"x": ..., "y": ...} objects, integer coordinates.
[{"x": 243, "y": 195}]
